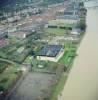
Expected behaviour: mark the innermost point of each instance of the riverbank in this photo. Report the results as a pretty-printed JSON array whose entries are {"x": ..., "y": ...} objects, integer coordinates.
[{"x": 82, "y": 80}]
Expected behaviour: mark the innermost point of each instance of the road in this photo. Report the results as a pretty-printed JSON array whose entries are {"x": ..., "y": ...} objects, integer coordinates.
[{"x": 82, "y": 80}]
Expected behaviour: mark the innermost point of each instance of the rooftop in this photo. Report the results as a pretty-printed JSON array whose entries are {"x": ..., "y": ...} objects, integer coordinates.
[
  {"x": 68, "y": 17},
  {"x": 50, "y": 50},
  {"x": 60, "y": 22}
]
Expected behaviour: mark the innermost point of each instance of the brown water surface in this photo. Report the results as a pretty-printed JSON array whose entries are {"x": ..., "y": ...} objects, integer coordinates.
[{"x": 83, "y": 77}]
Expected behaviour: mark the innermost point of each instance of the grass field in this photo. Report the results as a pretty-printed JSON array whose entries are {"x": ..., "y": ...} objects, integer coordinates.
[
  {"x": 60, "y": 22},
  {"x": 70, "y": 53},
  {"x": 57, "y": 31},
  {"x": 7, "y": 77},
  {"x": 66, "y": 59},
  {"x": 57, "y": 89}
]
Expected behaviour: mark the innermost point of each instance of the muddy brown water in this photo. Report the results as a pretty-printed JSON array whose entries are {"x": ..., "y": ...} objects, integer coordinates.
[{"x": 83, "y": 77}]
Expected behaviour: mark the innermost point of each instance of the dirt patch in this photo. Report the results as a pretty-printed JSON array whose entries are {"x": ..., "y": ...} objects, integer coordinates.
[{"x": 35, "y": 86}]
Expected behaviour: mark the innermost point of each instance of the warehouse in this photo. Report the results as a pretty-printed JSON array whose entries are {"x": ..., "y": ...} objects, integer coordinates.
[{"x": 50, "y": 53}]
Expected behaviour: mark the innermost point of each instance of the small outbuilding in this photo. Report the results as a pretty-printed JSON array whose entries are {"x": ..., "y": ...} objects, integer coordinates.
[{"x": 76, "y": 32}]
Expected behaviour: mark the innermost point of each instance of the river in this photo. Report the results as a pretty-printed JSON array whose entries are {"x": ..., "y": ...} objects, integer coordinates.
[{"x": 82, "y": 83}]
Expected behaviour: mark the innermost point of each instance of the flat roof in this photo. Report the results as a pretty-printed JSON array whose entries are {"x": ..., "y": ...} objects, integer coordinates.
[
  {"x": 68, "y": 17},
  {"x": 59, "y": 22},
  {"x": 50, "y": 50}
]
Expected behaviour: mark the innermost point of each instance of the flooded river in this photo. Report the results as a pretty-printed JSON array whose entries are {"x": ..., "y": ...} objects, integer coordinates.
[{"x": 82, "y": 80}]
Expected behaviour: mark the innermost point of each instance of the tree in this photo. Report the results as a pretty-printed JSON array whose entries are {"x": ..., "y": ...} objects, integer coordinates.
[
  {"x": 1, "y": 88},
  {"x": 82, "y": 24}
]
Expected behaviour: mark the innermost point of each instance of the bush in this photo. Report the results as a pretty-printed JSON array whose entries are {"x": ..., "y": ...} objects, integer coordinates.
[
  {"x": 82, "y": 25},
  {"x": 1, "y": 88},
  {"x": 50, "y": 26},
  {"x": 61, "y": 27},
  {"x": 4, "y": 80}
]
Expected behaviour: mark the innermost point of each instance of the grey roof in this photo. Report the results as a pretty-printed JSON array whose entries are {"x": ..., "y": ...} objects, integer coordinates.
[
  {"x": 50, "y": 50},
  {"x": 68, "y": 17},
  {"x": 73, "y": 5}
]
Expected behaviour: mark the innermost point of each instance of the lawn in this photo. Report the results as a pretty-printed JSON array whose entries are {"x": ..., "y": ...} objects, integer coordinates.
[
  {"x": 47, "y": 65},
  {"x": 7, "y": 77},
  {"x": 57, "y": 31},
  {"x": 57, "y": 89},
  {"x": 28, "y": 60},
  {"x": 3, "y": 65},
  {"x": 70, "y": 53},
  {"x": 60, "y": 22},
  {"x": 66, "y": 59}
]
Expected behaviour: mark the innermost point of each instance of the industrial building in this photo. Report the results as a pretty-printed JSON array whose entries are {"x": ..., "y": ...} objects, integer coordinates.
[{"x": 50, "y": 53}]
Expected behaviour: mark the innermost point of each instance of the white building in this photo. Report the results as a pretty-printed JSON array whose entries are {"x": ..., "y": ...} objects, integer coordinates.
[
  {"x": 51, "y": 53},
  {"x": 76, "y": 32},
  {"x": 19, "y": 34}
]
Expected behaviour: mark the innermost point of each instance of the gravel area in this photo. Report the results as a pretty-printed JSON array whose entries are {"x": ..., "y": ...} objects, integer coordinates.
[{"x": 34, "y": 87}]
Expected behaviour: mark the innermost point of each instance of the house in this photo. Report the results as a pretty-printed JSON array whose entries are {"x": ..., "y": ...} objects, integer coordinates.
[
  {"x": 70, "y": 15},
  {"x": 19, "y": 34},
  {"x": 50, "y": 53},
  {"x": 73, "y": 12},
  {"x": 69, "y": 19},
  {"x": 61, "y": 23},
  {"x": 75, "y": 31},
  {"x": 29, "y": 27},
  {"x": 12, "y": 29},
  {"x": 20, "y": 50},
  {"x": 13, "y": 19}
]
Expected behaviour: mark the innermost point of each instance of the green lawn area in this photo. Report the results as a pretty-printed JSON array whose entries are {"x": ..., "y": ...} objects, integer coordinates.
[
  {"x": 47, "y": 65},
  {"x": 57, "y": 89},
  {"x": 2, "y": 54},
  {"x": 57, "y": 31},
  {"x": 7, "y": 77},
  {"x": 3, "y": 65},
  {"x": 70, "y": 53},
  {"x": 60, "y": 22},
  {"x": 65, "y": 58},
  {"x": 28, "y": 60}
]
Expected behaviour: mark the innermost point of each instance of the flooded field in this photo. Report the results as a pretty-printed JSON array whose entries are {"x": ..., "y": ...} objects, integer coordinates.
[{"x": 82, "y": 80}]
